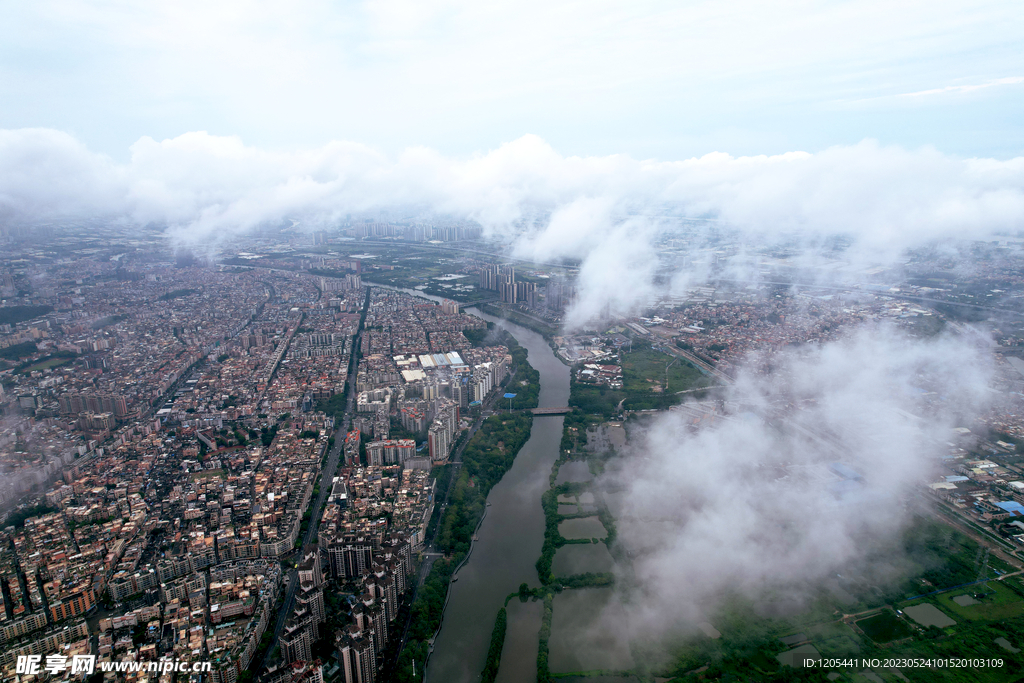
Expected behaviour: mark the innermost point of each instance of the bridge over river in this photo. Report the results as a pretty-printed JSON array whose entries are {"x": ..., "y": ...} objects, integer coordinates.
[{"x": 551, "y": 411}]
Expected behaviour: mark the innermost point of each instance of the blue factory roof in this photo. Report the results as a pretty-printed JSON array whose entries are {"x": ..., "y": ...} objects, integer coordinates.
[{"x": 1012, "y": 506}]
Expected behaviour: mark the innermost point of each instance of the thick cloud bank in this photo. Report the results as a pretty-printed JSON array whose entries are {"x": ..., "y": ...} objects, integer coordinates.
[
  {"x": 756, "y": 505},
  {"x": 202, "y": 185},
  {"x": 607, "y": 211}
]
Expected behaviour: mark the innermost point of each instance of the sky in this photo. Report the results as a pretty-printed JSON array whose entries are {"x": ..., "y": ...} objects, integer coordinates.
[
  {"x": 567, "y": 128},
  {"x": 652, "y": 80}
]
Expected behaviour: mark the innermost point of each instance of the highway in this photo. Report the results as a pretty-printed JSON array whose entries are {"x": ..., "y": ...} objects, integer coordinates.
[{"x": 314, "y": 522}]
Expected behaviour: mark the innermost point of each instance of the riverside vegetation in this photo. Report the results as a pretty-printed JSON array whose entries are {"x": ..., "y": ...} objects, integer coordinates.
[
  {"x": 487, "y": 456},
  {"x": 494, "y": 651},
  {"x": 937, "y": 564},
  {"x": 525, "y": 383}
]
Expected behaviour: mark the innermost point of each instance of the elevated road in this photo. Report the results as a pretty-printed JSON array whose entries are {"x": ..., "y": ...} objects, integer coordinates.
[{"x": 697, "y": 362}]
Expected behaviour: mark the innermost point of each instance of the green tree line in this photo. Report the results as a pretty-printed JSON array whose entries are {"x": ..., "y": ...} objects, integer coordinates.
[
  {"x": 486, "y": 458},
  {"x": 488, "y": 455},
  {"x": 490, "y": 671}
]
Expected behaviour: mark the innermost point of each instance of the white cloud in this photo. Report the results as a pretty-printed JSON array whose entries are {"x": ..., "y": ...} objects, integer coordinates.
[
  {"x": 603, "y": 210},
  {"x": 971, "y": 87},
  {"x": 751, "y": 506}
]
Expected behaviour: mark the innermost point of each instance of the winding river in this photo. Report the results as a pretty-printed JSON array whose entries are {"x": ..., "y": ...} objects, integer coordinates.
[{"x": 509, "y": 540}]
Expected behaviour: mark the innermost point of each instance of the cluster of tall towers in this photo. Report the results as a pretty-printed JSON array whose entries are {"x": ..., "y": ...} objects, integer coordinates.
[{"x": 502, "y": 279}]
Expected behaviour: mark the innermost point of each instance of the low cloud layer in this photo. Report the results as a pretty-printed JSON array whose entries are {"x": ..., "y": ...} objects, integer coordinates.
[
  {"x": 753, "y": 505},
  {"x": 607, "y": 211}
]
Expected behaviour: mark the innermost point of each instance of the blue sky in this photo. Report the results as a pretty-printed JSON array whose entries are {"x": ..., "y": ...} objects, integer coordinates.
[{"x": 665, "y": 80}]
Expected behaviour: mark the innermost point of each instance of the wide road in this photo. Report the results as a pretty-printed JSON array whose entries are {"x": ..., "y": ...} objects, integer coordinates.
[
  {"x": 326, "y": 484},
  {"x": 314, "y": 522}
]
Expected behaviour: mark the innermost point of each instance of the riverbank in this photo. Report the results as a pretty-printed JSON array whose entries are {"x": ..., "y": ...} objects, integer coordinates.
[
  {"x": 545, "y": 330},
  {"x": 510, "y": 537},
  {"x": 505, "y": 545},
  {"x": 487, "y": 457}
]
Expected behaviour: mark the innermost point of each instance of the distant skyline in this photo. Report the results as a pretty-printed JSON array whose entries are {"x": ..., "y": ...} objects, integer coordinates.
[{"x": 650, "y": 80}]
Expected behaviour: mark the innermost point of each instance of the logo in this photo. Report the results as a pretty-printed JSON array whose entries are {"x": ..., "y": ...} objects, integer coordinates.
[{"x": 55, "y": 664}]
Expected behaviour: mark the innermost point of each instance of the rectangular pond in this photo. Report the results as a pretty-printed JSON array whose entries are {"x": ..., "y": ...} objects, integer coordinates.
[
  {"x": 587, "y": 632},
  {"x": 578, "y": 558},
  {"x": 519, "y": 654},
  {"x": 574, "y": 471},
  {"x": 582, "y": 527},
  {"x": 795, "y": 657},
  {"x": 928, "y": 614}
]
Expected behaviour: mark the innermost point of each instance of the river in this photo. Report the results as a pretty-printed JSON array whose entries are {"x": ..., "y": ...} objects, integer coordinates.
[{"x": 509, "y": 540}]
